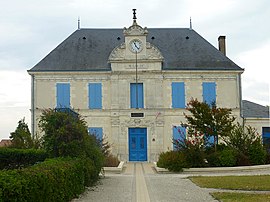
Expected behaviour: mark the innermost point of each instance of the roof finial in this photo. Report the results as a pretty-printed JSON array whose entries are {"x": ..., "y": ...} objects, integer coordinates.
[
  {"x": 134, "y": 16},
  {"x": 190, "y": 24},
  {"x": 79, "y": 23}
]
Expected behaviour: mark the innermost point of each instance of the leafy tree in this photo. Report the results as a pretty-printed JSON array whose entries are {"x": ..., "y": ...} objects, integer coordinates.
[
  {"x": 65, "y": 134},
  {"x": 209, "y": 120},
  {"x": 248, "y": 143},
  {"x": 21, "y": 137}
]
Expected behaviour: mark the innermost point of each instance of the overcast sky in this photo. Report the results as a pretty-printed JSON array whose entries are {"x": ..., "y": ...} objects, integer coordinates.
[{"x": 30, "y": 29}]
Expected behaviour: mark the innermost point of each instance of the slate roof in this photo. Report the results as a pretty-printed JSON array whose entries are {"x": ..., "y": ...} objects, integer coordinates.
[
  {"x": 89, "y": 50},
  {"x": 254, "y": 110}
]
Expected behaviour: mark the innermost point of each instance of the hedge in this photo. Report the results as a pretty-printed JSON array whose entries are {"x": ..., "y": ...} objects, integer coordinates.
[
  {"x": 11, "y": 158},
  {"x": 59, "y": 179}
]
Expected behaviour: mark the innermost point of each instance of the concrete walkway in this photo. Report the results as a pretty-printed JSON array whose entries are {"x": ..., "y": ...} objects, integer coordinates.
[{"x": 140, "y": 183}]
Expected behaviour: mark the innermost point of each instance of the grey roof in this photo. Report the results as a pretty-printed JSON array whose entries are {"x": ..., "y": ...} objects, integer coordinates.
[
  {"x": 89, "y": 50},
  {"x": 253, "y": 110}
]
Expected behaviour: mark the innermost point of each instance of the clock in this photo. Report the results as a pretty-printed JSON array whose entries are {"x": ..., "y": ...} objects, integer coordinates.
[{"x": 135, "y": 45}]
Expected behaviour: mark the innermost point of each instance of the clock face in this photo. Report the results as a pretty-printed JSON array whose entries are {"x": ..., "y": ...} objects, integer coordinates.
[{"x": 136, "y": 45}]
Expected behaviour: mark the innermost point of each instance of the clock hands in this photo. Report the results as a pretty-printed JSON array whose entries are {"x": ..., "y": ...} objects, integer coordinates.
[{"x": 135, "y": 44}]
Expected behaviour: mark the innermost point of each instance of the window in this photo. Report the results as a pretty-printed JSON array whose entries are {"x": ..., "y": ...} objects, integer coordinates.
[
  {"x": 178, "y": 95},
  {"x": 96, "y": 131},
  {"x": 136, "y": 95},
  {"x": 95, "y": 95},
  {"x": 62, "y": 95},
  {"x": 179, "y": 134},
  {"x": 209, "y": 92}
]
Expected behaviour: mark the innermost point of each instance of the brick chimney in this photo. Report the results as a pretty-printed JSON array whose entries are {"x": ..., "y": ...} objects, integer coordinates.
[{"x": 222, "y": 44}]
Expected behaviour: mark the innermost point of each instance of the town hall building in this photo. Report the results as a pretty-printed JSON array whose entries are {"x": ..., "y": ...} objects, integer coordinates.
[{"x": 132, "y": 85}]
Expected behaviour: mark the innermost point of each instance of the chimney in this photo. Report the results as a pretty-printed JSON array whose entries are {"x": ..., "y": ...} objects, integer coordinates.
[{"x": 222, "y": 44}]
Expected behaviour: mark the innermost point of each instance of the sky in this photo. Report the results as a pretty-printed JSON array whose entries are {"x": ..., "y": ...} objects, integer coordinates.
[{"x": 30, "y": 29}]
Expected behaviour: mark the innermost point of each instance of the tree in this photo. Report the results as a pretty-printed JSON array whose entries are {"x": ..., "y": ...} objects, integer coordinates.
[
  {"x": 21, "y": 137},
  {"x": 63, "y": 133},
  {"x": 209, "y": 120},
  {"x": 248, "y": 143}
]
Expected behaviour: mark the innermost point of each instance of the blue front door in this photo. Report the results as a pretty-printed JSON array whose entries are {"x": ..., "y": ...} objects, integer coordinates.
[{"x": 137, "y": 144}]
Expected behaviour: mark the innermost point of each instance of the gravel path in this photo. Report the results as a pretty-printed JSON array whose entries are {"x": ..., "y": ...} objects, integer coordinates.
[{"x": 140, "y": 183}]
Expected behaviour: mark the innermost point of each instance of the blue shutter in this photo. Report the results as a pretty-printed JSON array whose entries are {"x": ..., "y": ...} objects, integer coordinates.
[
  {"x": 133, "y": 98},
  {"x": 178, "y": 95},
  {"x": 97, "y": 131},
  {"x": 179, "y": 133},
  {"x": 63, "y": 95},
  {"x": 209, "y": 92},
  {"x": 95, "y": 95},
  {"x": 266, "y": 137}
]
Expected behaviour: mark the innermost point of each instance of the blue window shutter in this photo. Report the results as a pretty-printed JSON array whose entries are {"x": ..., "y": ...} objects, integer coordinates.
[
  {"x": 266, "y": 137},
  {"x": 133, "y": 98},
  {"x": 178, "y": 95},
  {"x": 63, "y": 95},
  {"x": 209, "y": 92},
  {"x": 95, "y": 95},
  {"x": 97, "y": 131},
  {"x": 210, "y": 140},
  {"x": 133, "y": 95},
  {"x": 179, "y": 133}
]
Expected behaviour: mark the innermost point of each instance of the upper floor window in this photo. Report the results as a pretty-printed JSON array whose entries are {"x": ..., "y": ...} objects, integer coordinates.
[
  {"x": 95, "y": 95},
  {"x": 63, "y": 95},
  {"x": 209, "y": 92},
  {"x": 178, "y": 95},
  {"x": 136, "y": 95}
]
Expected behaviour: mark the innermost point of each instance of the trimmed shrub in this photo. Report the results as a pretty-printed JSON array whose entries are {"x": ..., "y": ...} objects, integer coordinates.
[
  {"x": 11, "y": 158},
  {"x": 59, "y": 179},
  {"x": 172, "y": 160}
]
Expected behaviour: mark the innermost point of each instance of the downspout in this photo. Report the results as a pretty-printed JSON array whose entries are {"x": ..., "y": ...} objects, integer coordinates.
[{"x": 33, "y": 106}]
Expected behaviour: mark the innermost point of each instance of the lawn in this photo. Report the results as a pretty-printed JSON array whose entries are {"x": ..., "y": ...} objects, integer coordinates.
[
  {"x": 240, "y": 197},
  {"x": 257, "y": 182}
]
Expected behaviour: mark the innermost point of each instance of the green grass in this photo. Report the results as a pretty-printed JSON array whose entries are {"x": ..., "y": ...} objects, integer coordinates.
[
  {"x": 257, "y": 182},
  {"x": 241, "y": 197}
]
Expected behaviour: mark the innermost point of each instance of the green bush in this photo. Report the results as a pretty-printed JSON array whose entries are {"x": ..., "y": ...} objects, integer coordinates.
[
  {"x": 172, "y": 160},
  {"x": 213, "y": 159},
  {"x": 195, "y": 157},
  {"x": 257, "y": 153},
  {"x": 227, "y": 157},
  {"x": 59, "y": 179},
  {"x": 11, "y": 158},
  {"x": 242, "y": 159},
  {"x": 223, "y": 157}
]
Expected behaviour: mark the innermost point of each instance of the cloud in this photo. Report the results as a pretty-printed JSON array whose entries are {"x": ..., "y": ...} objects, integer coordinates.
[{"x": 14, "y": 100}]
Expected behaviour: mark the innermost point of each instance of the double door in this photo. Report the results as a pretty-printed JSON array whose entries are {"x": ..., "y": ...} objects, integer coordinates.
[{"x": 137, "y": 144}]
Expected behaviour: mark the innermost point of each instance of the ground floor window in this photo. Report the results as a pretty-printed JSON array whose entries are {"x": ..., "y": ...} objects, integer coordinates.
[{"x": 97, "y": 131}]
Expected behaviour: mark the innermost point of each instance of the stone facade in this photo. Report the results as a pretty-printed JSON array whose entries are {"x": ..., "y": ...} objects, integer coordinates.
[{"x": 114, "y": 117}]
